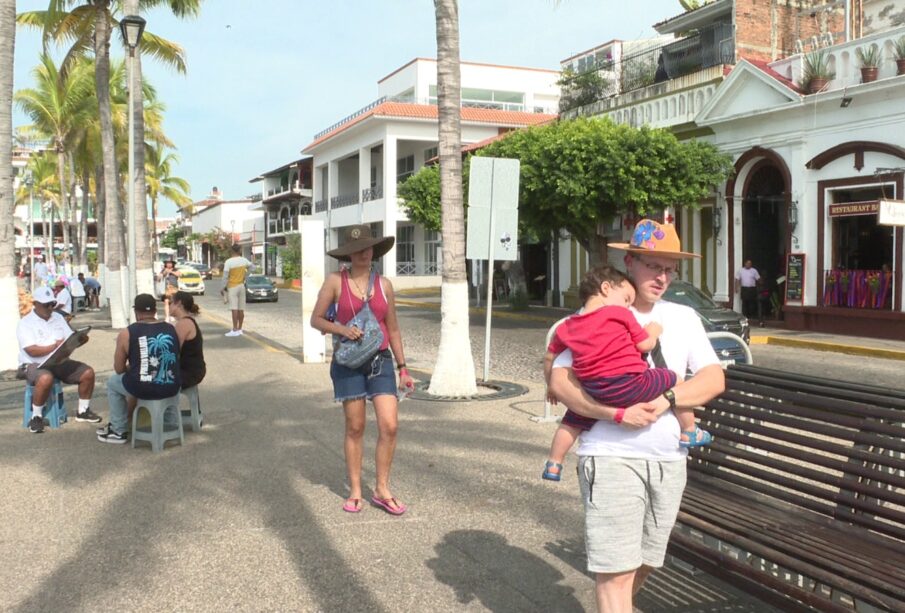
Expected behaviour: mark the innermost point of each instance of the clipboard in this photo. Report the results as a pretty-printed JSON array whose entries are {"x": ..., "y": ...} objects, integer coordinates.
[{"x": 62, "y": 352}]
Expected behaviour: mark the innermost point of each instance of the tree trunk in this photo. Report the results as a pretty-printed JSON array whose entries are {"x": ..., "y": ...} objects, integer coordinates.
[
  {"x": 155, "y": 248},
  {"x": 144, "y": 275},
  {"x": 9, "y": 294},
  {"x": 99, "y": 202},
  {"x": 75, "y": 251},
  {"x": 114, "y": 282},
  {"x": 454, "y": 371},
  {"x": 64, "y": 202}
]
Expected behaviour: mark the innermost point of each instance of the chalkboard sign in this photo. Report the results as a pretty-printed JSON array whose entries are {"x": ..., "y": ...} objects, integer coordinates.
[{"x": 795, "y": 278}]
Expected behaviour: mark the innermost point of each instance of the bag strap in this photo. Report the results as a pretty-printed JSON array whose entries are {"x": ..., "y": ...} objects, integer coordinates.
[
  {"x": 348, "y": 290},
  {"x": 370, "y": 286}
]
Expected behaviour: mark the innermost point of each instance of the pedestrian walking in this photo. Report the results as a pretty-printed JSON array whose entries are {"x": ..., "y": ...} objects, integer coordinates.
[
  {"x": 235, "y": 271},
  {"x": 40, "y": 271},
  {"x": 350, "y": 290},
  {"x": 631, "y": 467},
  {"x": 170, "y": 278},
  {"x": 748, "y": 278}
]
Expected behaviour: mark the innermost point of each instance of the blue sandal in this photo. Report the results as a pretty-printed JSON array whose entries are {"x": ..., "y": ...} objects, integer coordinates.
[
  {"x": 696, "y": 438},
  {"x": 552, "y": 476}
]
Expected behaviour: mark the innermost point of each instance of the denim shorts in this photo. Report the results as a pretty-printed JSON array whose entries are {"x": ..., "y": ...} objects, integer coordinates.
[{"x": 373, "y": 379}]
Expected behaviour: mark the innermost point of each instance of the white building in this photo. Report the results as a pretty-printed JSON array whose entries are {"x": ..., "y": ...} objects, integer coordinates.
[
  {"x": 232, "y": 217},
  {"x": 358, "y": 161}
]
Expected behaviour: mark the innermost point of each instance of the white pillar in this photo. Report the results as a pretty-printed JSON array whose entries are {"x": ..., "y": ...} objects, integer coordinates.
[
  {"x": 364, "y": 179},
  {"x": 389, "y": 201},
  {"x": 314, "y": 346}
]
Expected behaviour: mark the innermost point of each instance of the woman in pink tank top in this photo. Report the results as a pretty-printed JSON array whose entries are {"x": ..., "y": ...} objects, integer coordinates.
[{"x": 376, "y": 380}]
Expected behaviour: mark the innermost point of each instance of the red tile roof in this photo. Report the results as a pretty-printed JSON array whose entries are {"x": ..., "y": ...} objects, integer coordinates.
[
  {"x": 765, "y": 67},
  {"x": 407, "y": 110}
]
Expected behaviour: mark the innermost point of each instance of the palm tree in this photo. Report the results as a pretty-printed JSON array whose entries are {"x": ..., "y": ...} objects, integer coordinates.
[
  {"x": 58, "y": 106},
  {"x": 159, "y": 165},
  {"x": 9, "y": 295},
  {"x": 454, "y": 372},
  {"x": 88, "y": 27},
  {"x": 45, "y": 188}
]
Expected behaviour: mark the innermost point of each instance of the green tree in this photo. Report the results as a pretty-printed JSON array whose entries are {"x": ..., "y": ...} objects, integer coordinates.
[
  {"x": 159, "y": 165},
  {"x": 584, "y": 172},
  {"x": 291, "y": 257},
  {"x": 9, "y": 296},
  {"x": 453, "y": 374},
  {"x": 421, "y": 195}
]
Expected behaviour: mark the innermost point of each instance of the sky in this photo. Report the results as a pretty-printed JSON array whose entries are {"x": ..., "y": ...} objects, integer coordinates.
[{"x": 265, "y": 75}]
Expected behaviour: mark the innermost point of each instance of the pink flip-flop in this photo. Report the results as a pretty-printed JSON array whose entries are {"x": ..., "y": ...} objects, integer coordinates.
[
  {"x": 353, "y": 505},
  {"x": 384, "y": 503}
]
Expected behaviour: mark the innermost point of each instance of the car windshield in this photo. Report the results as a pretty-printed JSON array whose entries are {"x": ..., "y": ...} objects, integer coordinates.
[
  {"x": 188, "y": 274},
  {"x": 689, "y": 295},
  {"x": 257, "y": 280}
]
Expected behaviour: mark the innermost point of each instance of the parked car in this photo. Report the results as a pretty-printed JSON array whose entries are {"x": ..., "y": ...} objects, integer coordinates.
[
  {"x": 259, "y": 288},
  {"x": 190, "y": 280},
  {"x": 715, "y": 318},
  {"x": 204, "y": 269}
]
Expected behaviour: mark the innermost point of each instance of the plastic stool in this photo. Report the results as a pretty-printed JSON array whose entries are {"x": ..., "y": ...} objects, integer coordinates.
[
  {"x": 54, "y": 410},
  {"x": 193, "y": 415},
  {"x": 157, "y": 435}
]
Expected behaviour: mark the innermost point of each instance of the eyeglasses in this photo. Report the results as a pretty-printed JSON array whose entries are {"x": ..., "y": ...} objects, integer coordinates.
[{"x": 670, "y": 272}]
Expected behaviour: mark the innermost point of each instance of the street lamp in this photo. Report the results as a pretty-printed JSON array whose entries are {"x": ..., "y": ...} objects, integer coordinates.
[
  {"x": 30, "y": 184},
  {"x": 131, "y": 27}
]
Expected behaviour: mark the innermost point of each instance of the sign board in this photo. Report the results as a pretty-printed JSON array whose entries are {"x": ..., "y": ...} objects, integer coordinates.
[
  {"x": 852, "y": 209},
  {"x": 493, "y": 183},
  {"x": 794, "y": 290},
  {"x": 505, "y": 234},
  {"x": 891, "y": 213}
]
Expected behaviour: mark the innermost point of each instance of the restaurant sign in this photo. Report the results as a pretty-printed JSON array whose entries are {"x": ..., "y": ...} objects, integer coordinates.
[
  {"x": 851, "y": 209},
  {"x": 891, "y": 213}
]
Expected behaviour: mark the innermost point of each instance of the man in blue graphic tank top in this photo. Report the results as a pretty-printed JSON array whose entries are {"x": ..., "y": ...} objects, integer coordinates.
[{"x": 147, "y": 367}]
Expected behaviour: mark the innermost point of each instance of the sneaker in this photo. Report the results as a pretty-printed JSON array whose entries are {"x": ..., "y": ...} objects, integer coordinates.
[
  {"x": 232, "y": 333},
  {"x": 36, "y": 424},
  {"x": 109, "y": 435},
  {"x": 88, "y": 416},
  {"x": 239, "y": 332}
]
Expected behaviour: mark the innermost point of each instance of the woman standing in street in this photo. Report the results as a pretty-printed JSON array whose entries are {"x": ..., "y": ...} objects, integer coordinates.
[
  {"x": 170, "y": 277},
  {"x": 191, "y": 355},
  {"x": 375, "y": 381}
]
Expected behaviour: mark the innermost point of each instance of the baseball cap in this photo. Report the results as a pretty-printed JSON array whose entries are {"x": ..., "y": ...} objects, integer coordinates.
[
  {"x": 44, "y": 295},
  {"x": 145, "y": 302}
]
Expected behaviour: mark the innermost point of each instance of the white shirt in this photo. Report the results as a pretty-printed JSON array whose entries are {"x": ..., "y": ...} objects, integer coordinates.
[
  {"x": 40, "y": 271},
  {"x": 32, "y": 330},
  {"x": 76, "y": 288},
  {"x": 748, "y": 276},
  {"x": 64, "y": 301},
  {"x": 685, "y": 347}
]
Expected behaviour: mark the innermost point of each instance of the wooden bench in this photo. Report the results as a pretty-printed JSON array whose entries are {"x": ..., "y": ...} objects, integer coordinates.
[{"x": 801, "y": 498}]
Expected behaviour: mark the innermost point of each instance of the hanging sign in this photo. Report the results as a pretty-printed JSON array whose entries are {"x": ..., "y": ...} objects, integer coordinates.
[
  {"x": 851, "y": 209},
  {"x": 891, "y": 213}
]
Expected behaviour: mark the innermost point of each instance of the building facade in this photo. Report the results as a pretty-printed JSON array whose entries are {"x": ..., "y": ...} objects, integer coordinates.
[{"x": 358, "y": 162}]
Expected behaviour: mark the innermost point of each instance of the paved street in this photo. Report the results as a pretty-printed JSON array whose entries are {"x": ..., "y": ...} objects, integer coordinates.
[{"x": 517, "y": 344}]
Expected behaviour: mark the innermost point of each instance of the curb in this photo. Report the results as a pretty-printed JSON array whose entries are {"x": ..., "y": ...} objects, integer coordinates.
[
  {"x": 870, "y": 352},
  {"x": 483, "y": 311}
]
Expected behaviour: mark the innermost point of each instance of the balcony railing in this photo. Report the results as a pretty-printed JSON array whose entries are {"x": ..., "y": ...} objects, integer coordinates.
[
  {"x": 858, "y": 289},
  {"x": 320, "y": 206},
  {"x": 372, "y": 193},
  {"x": 338, "y": 202},
  {"x": 283, "y": 225},
  {"x": 713, "y": 45},
  {"x": 416, "y": 268}
]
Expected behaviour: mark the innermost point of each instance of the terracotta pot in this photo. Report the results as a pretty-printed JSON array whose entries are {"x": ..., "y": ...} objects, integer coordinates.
[
  {"x": 297, "y": 283},
  {"x": 900, "y": 66},
  {"x": 816, "y": 84},
  {"x": 869, "y": 74}
]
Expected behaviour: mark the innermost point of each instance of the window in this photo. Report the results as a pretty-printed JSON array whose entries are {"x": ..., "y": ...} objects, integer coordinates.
[
  {"x": 431, "y": 247},
  {"x": 405, "y": 250},
  {"x": 430, "y": 153},
  {"x": 373, "y": 176},
  {"x": 486, "y": 98},
  {"x": 405, "y": 167}
]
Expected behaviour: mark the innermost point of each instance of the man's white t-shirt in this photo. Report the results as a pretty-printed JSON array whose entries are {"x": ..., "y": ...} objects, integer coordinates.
[
  {"x": 33, "y": 330},
  {"x": 40, "y": 271},
  {"x": 685, "y": 347},
  {"x": 64, "y": 301},
  {"x": 747, "y": 276},
  {"x": 76, "y": 288}
]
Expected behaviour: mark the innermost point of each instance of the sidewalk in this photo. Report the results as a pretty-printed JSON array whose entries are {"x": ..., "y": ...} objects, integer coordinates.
[
  {"x": 246, "y": 515},
  {"x": 818, "y": 341}
]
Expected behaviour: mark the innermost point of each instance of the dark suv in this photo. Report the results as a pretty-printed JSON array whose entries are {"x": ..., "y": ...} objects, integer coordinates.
[{"x": 714, "y": 317}]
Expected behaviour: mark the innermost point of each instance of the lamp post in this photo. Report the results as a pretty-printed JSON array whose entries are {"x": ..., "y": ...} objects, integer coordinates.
[
  {"x": 30, "y": 183},
  {"x": 131, "y": 27}
]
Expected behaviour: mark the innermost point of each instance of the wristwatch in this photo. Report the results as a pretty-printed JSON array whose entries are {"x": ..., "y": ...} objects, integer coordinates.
[{"x": 671, "y": 397}]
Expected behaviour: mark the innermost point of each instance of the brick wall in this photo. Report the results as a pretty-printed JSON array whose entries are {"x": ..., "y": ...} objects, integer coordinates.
[{"x": 767, "y": 29}]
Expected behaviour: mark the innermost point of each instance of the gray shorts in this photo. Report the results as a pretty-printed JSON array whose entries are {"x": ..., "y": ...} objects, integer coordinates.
[
  {"x": 236, "y": 296},
  {"x": 630, "y": 509},
  {"x": 68, "y": 371}
]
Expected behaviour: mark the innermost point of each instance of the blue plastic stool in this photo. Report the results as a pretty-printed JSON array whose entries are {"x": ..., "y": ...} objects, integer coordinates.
[
  {"x": 54, "y": 410},
  {"x": 158, "y": 434},
  {"x": 192, "y": 417}
]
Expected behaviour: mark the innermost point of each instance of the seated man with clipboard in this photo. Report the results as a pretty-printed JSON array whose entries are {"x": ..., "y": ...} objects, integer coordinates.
[{"x": 45, "y": 344}]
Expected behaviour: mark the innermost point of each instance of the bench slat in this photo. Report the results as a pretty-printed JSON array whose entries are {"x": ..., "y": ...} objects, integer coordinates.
[{"x": 826, "y": 386}]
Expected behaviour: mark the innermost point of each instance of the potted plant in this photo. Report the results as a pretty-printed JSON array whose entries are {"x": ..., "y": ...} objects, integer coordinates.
[
  {"x": 898, "y": 48},
  {"x": 869, "y": 58},
  {"x": 816, "y": 71}
]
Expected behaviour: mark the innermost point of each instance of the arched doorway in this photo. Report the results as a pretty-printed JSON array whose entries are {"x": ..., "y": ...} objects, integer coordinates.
[{"x": 765, "y": 224}]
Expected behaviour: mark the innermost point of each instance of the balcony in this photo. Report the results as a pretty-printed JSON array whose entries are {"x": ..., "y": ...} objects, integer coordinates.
[
  {"x": 372, "y": 193},
  {"x": 417, "y": 268},
  {"x": 338, "y": 202},
  {"x": 282, "y": 191},
  {"x": 320, "y": 206},
  {"x": 842, "y": 59},
  {"x": 282, "y": 225}
]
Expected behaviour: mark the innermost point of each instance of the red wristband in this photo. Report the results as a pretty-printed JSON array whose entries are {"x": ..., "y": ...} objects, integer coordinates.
[{"x": 620, "y": 413}]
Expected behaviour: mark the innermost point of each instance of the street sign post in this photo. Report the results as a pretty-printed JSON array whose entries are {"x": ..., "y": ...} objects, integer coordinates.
[{"x": 492, "y": 222}]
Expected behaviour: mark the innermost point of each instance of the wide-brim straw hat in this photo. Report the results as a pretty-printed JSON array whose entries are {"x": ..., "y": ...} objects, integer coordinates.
[
  {"x": 357, "y": 238},
  {"x": 655, "y": 239}
]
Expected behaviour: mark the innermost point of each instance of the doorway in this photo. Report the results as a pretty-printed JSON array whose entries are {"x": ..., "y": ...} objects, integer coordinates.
[{"x": 765, "y": 225}]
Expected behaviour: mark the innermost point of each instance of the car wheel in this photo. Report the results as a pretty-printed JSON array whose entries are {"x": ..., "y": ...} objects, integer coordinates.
[
  {"x": 276, "y": 299},
  {"x": 202, "y": 293}
]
